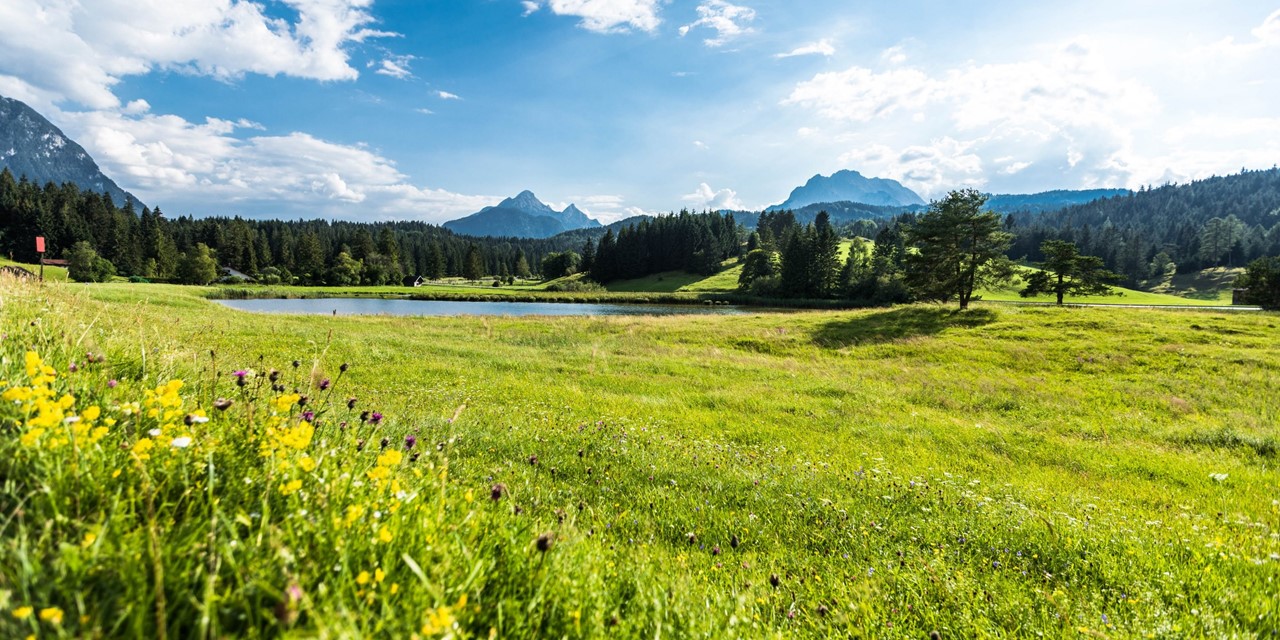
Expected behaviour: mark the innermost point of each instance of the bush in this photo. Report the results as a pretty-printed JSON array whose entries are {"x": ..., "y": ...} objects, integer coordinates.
[
  {"x": 584, "y": 285},
  {"x": 139, "y": 280}
]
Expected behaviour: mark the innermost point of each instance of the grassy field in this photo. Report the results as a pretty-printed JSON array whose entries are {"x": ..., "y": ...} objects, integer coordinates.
[{"x": 1008, "y": 471}]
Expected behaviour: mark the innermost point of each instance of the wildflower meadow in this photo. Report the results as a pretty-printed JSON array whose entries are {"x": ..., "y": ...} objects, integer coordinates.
[{"x": 170, "y": 468}]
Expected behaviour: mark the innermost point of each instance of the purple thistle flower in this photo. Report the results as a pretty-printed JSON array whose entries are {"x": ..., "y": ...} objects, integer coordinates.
[
  {"x": 324, "y": 384},
  {"x": 72, "y": 367},
  {"x": 351, "y": 403},
  {"x": 409, "y": 441},
  {"x": 112, "y": 383},
  {"x": 308, "y": 416},
  {"x": 375, "y": 418}
]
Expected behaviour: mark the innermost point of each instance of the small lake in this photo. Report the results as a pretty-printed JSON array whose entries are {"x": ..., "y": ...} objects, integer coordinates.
[{"x": 401, "y": 307}]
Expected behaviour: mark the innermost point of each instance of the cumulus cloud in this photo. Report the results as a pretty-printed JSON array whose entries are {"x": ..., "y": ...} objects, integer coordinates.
[
  {"x": 445, "y": 95},
  {"x": 605, "y": 16},
  {"x": 728, "y": 20},
  {"x": 1067, "y": 113},
  {"x": 57, "y": 50},
  {"x": 214, "y": 168},
  {"x": 822, "y": 47},
  {"x": 704, "y": 197}
]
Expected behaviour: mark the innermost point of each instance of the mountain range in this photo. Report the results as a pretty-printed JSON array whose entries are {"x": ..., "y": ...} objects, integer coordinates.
[
  {"x": 850, "y": 186},
  {"x": 524, "y": 216},
  {"x": 33, "y": 147}
]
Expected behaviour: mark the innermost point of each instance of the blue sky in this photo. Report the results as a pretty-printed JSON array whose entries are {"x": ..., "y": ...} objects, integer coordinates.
[{"x": 429, "y": 110}]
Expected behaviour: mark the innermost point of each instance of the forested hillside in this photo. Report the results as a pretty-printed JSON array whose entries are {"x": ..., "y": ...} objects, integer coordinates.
[{"x": 1221, "y": 221}]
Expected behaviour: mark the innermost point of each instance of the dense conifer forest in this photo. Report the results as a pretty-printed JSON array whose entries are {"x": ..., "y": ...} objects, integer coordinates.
[{"x": 1143, "y": 236}]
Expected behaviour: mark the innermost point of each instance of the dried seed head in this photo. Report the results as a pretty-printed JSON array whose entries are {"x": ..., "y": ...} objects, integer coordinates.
[
  {"x": 545, "y": 541},
  {"x": 497, "y": 492},
  {"x": 222, "y": 404},
  {"x": 774, "y": 581}
]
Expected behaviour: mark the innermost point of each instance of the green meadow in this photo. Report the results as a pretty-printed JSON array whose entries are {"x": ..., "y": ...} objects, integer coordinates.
[{"x": 1003, "y": 472}]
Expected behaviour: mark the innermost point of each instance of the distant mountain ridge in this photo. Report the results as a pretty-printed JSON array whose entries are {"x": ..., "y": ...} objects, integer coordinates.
[
  {"x": 522, "y": 216},
  {"x": 33, "y": 147},
  {"x": 850, "y": 186}
]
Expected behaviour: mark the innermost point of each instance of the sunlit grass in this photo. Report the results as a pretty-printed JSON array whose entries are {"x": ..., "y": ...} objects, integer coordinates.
[{"x": 1005, "y": 471}]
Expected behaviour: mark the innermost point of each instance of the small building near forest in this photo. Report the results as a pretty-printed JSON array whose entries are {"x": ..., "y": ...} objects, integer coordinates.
[{"x": 413, "y": 281}]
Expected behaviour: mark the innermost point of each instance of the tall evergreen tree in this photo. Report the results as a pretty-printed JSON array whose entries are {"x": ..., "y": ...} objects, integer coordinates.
[{"x": 959, "y": 248}]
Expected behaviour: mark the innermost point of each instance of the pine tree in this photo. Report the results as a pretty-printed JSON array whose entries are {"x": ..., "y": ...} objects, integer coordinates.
[
  {"x": 1065, "y": 272},
  {"x": 959, "y": 248}
]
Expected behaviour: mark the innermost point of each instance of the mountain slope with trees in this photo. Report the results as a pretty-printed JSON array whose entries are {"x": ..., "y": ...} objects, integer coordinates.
[{"x": 31, "y": 147}]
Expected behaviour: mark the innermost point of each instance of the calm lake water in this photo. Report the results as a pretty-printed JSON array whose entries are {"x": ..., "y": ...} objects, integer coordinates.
[{"x": 397, "y": 307}]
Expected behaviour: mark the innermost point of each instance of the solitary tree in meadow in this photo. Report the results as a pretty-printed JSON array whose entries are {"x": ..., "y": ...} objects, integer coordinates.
[
  {"x": 1065, "y": 272},
  {"x": 959, "y": 248}
]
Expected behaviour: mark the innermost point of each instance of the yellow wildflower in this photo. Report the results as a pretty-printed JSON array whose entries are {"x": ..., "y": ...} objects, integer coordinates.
[
  {"x": 283, "y": 403},
  {"x": 141, "y": 447},
  {"x": 390, "y": 458},
  {"x": 363, "y": 578},
  {"x": 89, "y": 539},
  {"x": 384, "y": 534},
  {"x": 379, "y": 575},
  {"x": 291, "y": 487},
  {"x": 91, "y": 413},
  {"x": 307, "y": 464},
  {"x": 22, "y": 613},
  {"x": 51, "y": 614}
]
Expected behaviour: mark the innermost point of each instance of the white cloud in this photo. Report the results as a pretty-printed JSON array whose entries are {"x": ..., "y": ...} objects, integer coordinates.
[
  {"x": 1266, "y": 36},
  {"x": 728, "y": 21},
  {"x": 1065, "y": 116},
  {"x": 701, "y": 145},
  {"x": 606, "y": 16},
  {"x": 425, "y": 111},
  {"x": 137, "y": 107},
  {"x": 396, "y": 67},
  {"x": 212, "y": 168},
  {"x": 894, "y": 55},
  {"x": 530, "y": 7},
  {"x": 445, "y": 95},
  {"x": 822, "y": 47},
  {"x": 704, "y": 197},
  {"x": 929, "y": 169},
  {"x": 56, "y": 50}
]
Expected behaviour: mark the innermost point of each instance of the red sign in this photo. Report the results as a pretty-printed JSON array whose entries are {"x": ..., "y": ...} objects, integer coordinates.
[{"x": 39, "y": 245}]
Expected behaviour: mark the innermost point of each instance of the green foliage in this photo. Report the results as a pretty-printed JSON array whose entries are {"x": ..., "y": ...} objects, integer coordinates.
[
  {"x": 197, "y": 266},
  {"x": 759, "y": 263},
  {"x": 346, "y": 271},
  {"x": 959, "y": 248},
  {"x": 473, "y": 267},
  {"x": 561, "y": 264},
  {"x": 85, "y": 265},
  {"x": 696, "y": 243},
  {"x": 1262, "y": 279},
  {"x": 1065, "y": 272},
  {"x": 576, "y": 285}
]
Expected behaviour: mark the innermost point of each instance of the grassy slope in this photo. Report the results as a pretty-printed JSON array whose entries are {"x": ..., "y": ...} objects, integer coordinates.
[
  {"x": 892, "y": 466},
  {"x": 52, "y": 274}
]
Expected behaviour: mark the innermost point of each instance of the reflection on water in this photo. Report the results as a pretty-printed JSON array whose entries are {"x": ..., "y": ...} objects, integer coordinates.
[{"x": 399, "y": 307}]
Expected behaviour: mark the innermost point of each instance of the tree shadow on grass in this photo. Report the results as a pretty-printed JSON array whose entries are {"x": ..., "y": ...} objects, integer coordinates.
[{"x": 898, "y": 324}]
